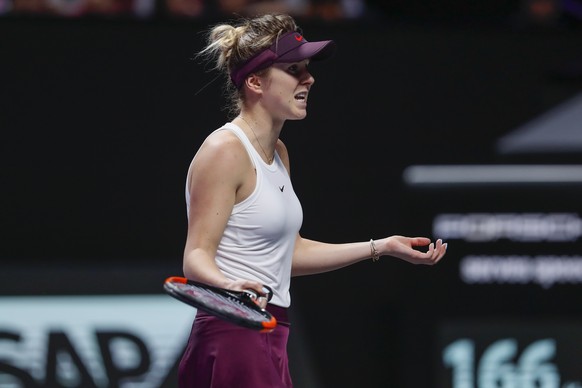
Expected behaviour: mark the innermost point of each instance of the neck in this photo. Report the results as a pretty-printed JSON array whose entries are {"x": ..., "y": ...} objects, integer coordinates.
[{"x": 262, "y": 134}]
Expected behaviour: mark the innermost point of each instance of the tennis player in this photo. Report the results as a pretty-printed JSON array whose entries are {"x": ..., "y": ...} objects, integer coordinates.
[{"x": 244, "y": 217}]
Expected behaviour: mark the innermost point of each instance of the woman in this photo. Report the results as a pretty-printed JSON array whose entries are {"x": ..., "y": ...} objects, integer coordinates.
[{"x": 244, "y": 217}]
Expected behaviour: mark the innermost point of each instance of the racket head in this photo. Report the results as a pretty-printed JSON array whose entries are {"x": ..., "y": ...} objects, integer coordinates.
[{"x": 231, "y": 306}]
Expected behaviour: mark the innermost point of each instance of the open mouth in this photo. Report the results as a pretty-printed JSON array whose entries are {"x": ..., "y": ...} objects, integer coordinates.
[{"x": 301, "y": 96}]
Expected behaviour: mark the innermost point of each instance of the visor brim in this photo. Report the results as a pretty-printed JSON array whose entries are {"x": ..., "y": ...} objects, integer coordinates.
[{"x": 309, "y": 50}]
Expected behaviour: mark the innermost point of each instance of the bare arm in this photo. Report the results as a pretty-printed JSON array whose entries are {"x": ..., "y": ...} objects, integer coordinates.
[
  {"x": 218, "y": 178},
  {"x": 311, "y": 257}
]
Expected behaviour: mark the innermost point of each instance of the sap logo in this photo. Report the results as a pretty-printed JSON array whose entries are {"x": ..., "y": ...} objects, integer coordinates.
[
  {"x": 104, "y": 341},
  {"x": 64, "y": 365},
  {"x": 500, "y": 367}
]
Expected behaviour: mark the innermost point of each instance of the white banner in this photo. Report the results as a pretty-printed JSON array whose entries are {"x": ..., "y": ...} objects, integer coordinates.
[{"x": 91, "y": 341}]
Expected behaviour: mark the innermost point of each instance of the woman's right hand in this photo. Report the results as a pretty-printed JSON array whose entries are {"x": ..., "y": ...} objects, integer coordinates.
[{"x": 256, "y": 287}]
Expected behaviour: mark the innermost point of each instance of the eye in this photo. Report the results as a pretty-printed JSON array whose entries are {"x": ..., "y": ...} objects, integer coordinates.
[{"x": 293, "y": 69}]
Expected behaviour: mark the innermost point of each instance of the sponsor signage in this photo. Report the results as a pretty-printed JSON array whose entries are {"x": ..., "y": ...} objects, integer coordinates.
[
  {"x": 540, "y": 249},
  {"x": 91, "y": 341}
]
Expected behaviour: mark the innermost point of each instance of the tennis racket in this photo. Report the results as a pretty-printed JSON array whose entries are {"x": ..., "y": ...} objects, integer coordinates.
[{"x": 238, "y": 307}]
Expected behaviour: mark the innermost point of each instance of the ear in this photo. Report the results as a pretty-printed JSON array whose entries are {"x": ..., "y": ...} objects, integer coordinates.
[{"x": 254, "y": 83}]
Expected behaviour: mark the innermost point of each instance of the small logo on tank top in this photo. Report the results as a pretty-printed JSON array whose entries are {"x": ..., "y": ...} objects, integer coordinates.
[{"x": 282, "y": 188}]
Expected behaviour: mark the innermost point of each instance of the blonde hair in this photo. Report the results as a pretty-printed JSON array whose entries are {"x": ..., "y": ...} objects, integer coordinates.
[{"x": 231, "y": 45}]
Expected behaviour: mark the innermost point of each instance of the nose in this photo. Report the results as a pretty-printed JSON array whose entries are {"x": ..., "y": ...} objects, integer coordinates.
[{"x": 308, "y": 79}]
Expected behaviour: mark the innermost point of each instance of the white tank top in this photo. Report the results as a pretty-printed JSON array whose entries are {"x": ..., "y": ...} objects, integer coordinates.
[{"x": 259, "y": 238}]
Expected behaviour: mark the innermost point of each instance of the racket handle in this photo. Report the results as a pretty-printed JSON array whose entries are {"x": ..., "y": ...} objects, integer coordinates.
[
  {"x": 268, "y": 292},
  {"x": 259, "y": 300},
  {"x": 253, "y": 295}
]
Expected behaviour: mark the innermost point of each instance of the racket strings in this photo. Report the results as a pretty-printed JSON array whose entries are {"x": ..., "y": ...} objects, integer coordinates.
[{"x": 227, "y": 303}]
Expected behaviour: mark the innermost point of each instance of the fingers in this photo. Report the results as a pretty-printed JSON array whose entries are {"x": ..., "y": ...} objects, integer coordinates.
[
  {"x": 262, "y": 298},
  {"x": 435, "y": 252},
  {"x": 405, "y": 249},
  {"x": 439, "y": 251},
  {"x": 256, "y": 291},
  {"x": 262, "y": 301},
  {"x": 419, "y": 241},
  {"x": 246, "y": 285}
]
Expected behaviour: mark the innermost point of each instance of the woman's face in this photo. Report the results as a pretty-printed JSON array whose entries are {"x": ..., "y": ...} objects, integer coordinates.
[{"x": 286, "y": 90}]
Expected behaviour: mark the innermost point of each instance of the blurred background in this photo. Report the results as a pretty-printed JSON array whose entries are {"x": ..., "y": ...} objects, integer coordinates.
[{"x": 451, "y": 119}]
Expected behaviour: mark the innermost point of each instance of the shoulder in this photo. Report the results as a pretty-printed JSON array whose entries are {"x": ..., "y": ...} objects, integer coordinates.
[
  {"x": 222, "y": 153},
  {"x": 222, "y": 147},
  {"x": 222, "y": 138}
]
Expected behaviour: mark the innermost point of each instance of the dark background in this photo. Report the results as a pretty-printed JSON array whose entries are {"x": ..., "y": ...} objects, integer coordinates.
[{"x": 100, "y": 117}]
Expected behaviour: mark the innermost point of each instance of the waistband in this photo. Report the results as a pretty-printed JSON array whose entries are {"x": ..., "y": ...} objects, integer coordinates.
[{"x": 281, "y": 314}]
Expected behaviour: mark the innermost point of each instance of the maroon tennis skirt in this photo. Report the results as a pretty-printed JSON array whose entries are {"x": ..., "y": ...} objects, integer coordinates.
[{"x": 223, "y": 355}]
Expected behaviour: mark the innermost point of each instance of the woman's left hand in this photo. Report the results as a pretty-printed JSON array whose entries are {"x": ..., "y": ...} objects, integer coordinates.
[{"x": 403, "y": 248}]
